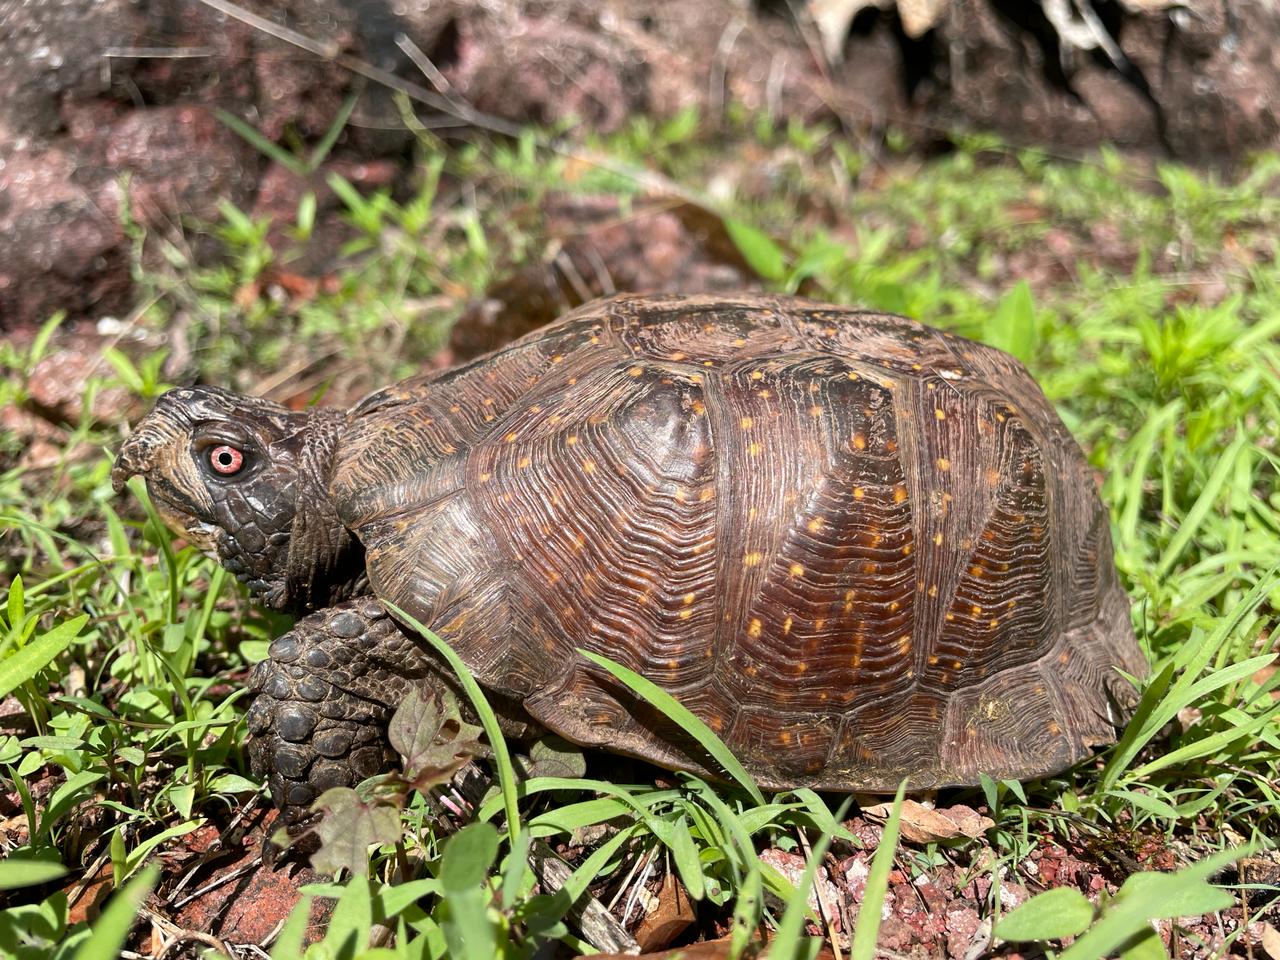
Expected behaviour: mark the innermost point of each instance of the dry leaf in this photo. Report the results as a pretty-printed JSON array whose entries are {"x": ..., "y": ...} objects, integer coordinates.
[
  {"x": 921, "y": 824},
  {"x": 1271, "y": 941}
]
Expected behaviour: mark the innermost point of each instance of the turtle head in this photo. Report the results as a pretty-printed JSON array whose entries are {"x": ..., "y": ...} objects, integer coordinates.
[{"x": 246, "y": 480}]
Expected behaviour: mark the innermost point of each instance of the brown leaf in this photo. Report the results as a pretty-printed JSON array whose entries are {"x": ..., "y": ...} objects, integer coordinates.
[
  {"x": 921, "y": 824},
  {"x": 1271, "y": 941}
]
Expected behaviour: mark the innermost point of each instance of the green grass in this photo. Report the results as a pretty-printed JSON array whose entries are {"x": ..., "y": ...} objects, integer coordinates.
[{"x": 1146, "y": 302}]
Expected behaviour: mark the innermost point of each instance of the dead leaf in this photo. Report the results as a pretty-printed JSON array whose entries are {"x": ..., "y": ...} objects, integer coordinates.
[
  {"x": 921, "y": 824},
  {"x": 1271, "y": 941}
]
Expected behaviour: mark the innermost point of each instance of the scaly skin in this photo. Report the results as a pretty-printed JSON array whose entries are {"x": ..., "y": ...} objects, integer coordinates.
[{"x": 324, "y": 698}]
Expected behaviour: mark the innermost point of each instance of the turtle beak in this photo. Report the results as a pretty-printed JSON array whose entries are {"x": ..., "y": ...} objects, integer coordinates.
[{"x": 137, "y": 456}]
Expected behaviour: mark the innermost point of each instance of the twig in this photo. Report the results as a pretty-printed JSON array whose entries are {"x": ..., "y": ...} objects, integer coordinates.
[
  {"x": 824, "y": 908},
  {"x": 599, "y": 927},
  {"x": 179, "y": 934}
]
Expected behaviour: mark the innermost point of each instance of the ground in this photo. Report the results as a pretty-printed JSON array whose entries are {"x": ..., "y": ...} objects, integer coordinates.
[{"x": 1145, "y": 298}]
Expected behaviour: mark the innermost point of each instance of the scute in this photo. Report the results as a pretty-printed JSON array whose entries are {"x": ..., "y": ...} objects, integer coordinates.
[{"x": 859, "y": 548}]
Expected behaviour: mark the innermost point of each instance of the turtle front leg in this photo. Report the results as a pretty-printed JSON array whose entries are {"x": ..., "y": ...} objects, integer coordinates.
[{"x": 324, "y": 698}]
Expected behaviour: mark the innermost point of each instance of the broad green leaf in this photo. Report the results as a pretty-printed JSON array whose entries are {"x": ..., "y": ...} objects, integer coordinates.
[
  {"x": 352, "y": 919},
  {"x": 467, "y": 857},
  {"x": 35, "y": 656},
  {"x": 763, "y": 255},
  {"x": 1013, "y": 326},
  {"x": 16, "y": 872},
  {"x": 1052, "y": 915}
]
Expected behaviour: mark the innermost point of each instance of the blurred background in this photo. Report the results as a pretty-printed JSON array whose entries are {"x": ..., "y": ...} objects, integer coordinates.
[{"x": 185, "y": 169}]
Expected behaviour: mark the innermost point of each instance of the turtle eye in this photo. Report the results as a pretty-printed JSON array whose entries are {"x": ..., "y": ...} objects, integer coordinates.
[{"x": 226, "y": 460}]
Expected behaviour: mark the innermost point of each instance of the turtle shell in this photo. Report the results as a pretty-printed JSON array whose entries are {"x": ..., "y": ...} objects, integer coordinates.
[{"x": 860, "y": 549}]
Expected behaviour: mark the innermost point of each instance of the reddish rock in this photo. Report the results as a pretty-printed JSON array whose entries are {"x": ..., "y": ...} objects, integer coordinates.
[
  {"x": 961, "y": 924},
  {"x": 249, "y": 908}
]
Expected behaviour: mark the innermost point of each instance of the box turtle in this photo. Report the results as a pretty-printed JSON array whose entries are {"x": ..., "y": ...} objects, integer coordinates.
[{"x": 859, "y": 548}]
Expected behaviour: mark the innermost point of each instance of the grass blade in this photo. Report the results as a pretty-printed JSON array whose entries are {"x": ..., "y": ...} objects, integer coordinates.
[
  {"x": 488, "y": 719},
  {"x": 114, "y": 924},
  {"x": 867, "y": 929},
  {"x": 677, "y": 712},
  {"x": 34, "y": 657}
]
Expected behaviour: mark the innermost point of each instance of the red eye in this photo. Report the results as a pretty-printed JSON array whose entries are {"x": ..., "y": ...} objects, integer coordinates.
[{"x": 226, "y": 460}]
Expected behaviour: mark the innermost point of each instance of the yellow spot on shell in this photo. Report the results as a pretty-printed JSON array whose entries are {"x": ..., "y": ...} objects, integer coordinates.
[
  {"x": 933, "y": 590},
  {"x": 557, "y": 358},
  {"x": 937, "y": 539},
  {"x": 933, "y": 658},
  {"x": 686, "y": 614},
  {"x": 944, "y": 463},
  {"x": 757, "y": 374},
  {"x": 976, "y": 610},
  {"x": 904, "y": 644},
  {"x": 753, "y": 449},
  {"x": 752, "y": 558},
  {"x": 589, "y": 466},
  {"x": 484, "y": 477},
  {"x": 455, "y": 409},
  {"x": 706, "y": 494},
  {"x": 852, "y": 375},
  {"x": 975, "y": 571},
  {"x": 746, "y": 423},
  {"x": 950, "y": 617},
  {"x": 699, "y": 408},
  {"x": 993, "y": 623},
  {"x": 899, "y": 494},
  {"x": 940, "y": 413},
  {"x": 859, "y": 442},
  {"x": 858, "y": 493},
  {"x": 814, "y": 525},
  {"x": 524, "y": 463},
  {"x": 797, "y": 570},
  {"x": 906, "y": 550},
  {"x": 1053, "y": 728},
  {"x": 815, "y": 411},
  {"x": 993, "y": 477},
  {"x": 786, "y": 627},
  {"x": 785, "y": 738},
  {"x": 754, "y": 629},
  {"x": 636, "y": 371},
  {"x": 678, "y": 356}
]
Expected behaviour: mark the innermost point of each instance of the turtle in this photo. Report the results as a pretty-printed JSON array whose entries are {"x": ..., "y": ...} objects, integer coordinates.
[{"x": 858, "y": 548}]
